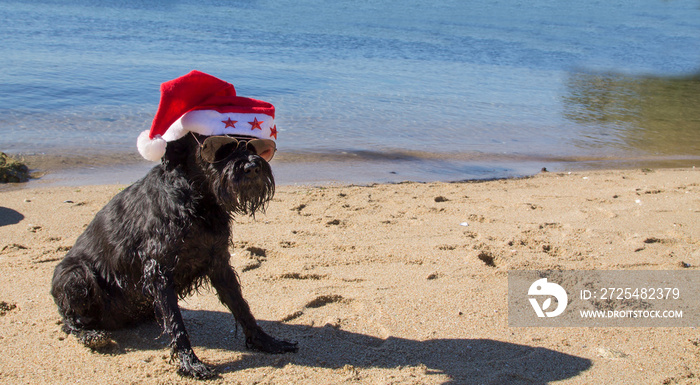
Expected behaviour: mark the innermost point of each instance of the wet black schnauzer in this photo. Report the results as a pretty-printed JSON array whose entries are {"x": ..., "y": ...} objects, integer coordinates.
[{"x": 161, "y": 239}]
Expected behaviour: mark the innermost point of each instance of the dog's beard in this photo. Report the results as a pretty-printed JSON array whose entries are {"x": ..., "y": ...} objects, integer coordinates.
[{"x": 240, "y": 194}]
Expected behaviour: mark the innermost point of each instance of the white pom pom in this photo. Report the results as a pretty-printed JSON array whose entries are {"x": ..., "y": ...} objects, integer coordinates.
[{"x": 151, "y": 149}]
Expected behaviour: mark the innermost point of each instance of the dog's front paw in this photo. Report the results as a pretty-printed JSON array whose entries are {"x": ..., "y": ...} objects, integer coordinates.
[
  {"x": 263, "y": 342},
  {"x": 191, "y": 366}
]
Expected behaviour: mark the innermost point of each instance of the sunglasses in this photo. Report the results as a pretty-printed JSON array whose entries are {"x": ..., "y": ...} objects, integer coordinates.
[{"x": 216, "y": 149}]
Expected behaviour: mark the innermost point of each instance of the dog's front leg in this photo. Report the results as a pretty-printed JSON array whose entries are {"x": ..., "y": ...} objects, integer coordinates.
[
  {"x": 159, "y": 284},
  {"x": 225, "y": 281}
]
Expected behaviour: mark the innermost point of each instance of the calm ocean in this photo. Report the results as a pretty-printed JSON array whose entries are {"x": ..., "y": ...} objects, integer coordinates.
[{"x": 365, "y": 91}]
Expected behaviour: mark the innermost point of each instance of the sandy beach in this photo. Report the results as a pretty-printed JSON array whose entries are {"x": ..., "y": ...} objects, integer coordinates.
[{"x": 383, "y": 284}]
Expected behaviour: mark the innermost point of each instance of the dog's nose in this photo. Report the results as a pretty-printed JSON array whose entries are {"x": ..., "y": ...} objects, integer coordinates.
[{"x": 252, "y": 168}]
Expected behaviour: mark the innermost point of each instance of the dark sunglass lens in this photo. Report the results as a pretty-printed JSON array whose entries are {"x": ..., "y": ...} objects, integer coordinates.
[
  {"x": 263, "y": 148},
  {"x": 217, "y": 148}
]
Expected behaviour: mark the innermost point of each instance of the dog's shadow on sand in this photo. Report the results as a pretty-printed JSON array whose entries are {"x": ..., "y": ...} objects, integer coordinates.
[{"x": 463, "y": 361}]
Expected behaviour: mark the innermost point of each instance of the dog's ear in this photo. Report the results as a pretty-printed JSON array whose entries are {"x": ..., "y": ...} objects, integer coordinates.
[{"x": 178, "y": 151}]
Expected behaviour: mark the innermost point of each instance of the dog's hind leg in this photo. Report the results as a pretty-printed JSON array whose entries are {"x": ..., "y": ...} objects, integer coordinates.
[
  {"x": 159, "y": 284},
  {"x": 225, "y": 281},
  {"x": 76, "y": 292}
]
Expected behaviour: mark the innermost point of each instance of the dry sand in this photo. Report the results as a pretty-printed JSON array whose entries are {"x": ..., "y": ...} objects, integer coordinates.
[{"x": 380, "y": 284}]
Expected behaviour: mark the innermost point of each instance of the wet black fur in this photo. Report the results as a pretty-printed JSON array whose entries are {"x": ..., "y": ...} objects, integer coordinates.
[{"x": 160, "y": 239}]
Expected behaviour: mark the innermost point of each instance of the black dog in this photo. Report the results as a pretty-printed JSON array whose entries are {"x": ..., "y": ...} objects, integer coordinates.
[{"x": 160, "y": 239}]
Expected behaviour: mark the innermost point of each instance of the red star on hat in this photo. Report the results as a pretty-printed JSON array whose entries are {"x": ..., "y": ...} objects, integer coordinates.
[
  {"x": 273, "y": 132},
  {"x": 230, "y": 123},
  {"x": 255, "y": 124}
]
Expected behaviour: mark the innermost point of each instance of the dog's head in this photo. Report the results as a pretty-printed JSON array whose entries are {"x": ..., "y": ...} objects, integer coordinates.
[{"x": 235, "y": 169}]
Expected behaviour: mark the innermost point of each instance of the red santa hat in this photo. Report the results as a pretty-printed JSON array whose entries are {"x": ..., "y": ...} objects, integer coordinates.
[{"x": 200, "y": 103}]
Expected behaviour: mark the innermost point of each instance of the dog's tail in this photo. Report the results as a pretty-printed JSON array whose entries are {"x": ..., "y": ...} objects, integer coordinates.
[
  {"x": 93, "y": 339},
  {"x": 73, "y": 288}
]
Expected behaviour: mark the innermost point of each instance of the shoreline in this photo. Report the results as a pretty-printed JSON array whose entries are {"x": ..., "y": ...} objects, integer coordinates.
[
  {"x": 381, "y": 283},
  {"x": 344, "y": 167}
]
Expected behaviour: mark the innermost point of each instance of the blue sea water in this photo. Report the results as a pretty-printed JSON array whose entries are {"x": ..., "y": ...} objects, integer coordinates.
[{"x": 367, "y": 90}]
